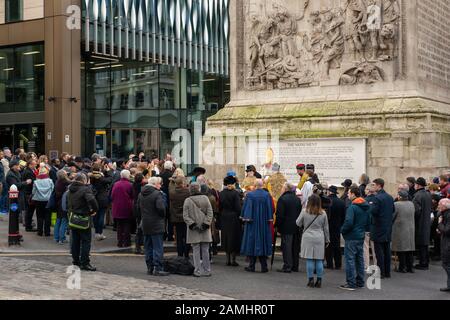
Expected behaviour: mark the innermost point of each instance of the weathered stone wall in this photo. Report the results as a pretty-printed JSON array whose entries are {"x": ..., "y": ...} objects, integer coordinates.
[
  {"x": 375, "y": 69},
  {"x": 405, "y": 137}
]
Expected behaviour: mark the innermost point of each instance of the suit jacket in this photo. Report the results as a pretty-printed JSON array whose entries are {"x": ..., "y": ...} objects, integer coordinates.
[{"x": 382, "y": 215}]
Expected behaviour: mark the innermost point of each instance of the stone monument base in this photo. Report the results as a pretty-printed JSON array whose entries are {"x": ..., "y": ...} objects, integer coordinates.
[{"x": 405, "y": 136}]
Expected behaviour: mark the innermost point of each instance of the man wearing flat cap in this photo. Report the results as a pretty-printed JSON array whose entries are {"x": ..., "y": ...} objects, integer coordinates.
[{"x": 422, "y": 204}]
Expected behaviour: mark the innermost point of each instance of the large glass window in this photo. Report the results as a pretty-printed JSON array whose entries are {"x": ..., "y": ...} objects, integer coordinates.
[
  {"x": 22, "y": 78},
  {"x": 14, "y": 10},
  {"x": 131, "y": 107}
]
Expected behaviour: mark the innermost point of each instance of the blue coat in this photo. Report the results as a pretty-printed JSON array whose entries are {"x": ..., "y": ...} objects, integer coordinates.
[
  {"x": 357, "y": 220},
  {"x": 256, "y": 213},
  {"x": 382, "y": 215}
]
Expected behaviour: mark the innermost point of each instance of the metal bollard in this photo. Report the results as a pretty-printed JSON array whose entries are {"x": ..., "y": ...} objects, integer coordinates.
[{"x": 14, "y": 237}]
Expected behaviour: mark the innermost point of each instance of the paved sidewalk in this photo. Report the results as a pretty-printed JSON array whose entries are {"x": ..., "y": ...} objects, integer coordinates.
[
  {"x": 32, "y": 243},
  {"x": 34, "y": 280}
]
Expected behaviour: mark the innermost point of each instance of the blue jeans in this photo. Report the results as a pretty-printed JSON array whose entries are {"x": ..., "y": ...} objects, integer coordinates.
[
  {"x": 354, "y": 262},
  {"x": 314, "y": 264},
  {"x": 99, "y": 221},
  {"x": 60, "y": 229},
  {"x": 154, "y": 251}
]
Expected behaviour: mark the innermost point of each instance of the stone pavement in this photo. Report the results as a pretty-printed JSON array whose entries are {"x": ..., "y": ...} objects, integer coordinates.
[
  {"x": 33, "y": 243},
  {"x": 34, "y": 280}
]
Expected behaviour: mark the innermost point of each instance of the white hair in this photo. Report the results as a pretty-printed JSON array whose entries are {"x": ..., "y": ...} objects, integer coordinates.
[
  {"x": 153, "y": 181},
  {"x": 445, "y": 202},
  {"x": 168, "y": 165},
  {"x": 259, "y": 183},
  {"x": 125, "y": 174}
]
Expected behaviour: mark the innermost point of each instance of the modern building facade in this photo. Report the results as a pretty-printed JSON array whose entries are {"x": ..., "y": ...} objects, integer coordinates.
[{"x": 109, "y": 76}]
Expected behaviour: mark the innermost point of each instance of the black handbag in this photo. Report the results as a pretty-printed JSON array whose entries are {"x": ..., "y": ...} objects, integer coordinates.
[{"x": 78, "y": 221}]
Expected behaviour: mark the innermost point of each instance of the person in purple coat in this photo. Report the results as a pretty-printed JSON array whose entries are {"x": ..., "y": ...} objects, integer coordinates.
[{"x": 122, "y": 208}]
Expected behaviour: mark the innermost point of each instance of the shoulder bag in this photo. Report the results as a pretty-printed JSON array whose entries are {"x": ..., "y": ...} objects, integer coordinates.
[{"x": 76, "y": 221}]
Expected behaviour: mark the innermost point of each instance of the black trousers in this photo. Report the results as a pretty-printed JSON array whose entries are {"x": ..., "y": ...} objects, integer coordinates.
[
  {"x": 290, "y": 246},
  {"x": 123, "y": 232},
  {"x": 80, "y": 243},
  {"x": 383, "y": 254},
  {"x": 44, "y": 218},
  {"x": 333, "y": 255},
  {"x": 405, "y": 260},
  {"x": 446, "y": 267},
  {"x": 31, "y": 206},
  {"x": 181, "y": 232},
  {"x": 423, "y": 255},
  {"x": 262, "y": 260},
  {"x": 139, "y": 239}
]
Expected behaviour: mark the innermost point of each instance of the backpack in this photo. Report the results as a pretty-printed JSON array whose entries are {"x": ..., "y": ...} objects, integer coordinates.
[{"x": 179, "y": 265}]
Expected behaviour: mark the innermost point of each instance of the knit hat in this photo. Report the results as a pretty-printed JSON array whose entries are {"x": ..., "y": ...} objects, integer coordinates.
[{"x": 301, "y": 166}]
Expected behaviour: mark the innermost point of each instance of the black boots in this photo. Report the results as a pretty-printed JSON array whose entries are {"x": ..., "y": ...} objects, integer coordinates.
[
  {"x": 88, "y": 267},
  {"x": 318, "y": 283},
  {"x": 311, "y": 283}
]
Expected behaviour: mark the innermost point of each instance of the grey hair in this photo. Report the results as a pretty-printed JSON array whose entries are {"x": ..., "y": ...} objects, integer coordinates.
[
  {"x": 289, "y": 186},
  {"x": 371, "y": 187},
  {"x": 81, "y": 177},
  {"x": 445, "y": 202},
  {"x": 125, "y": 174},
  {"x": 168, "y": 165},
  {"x": 61, "y": 174},
  {"x": 153, "y": 181},
  {"x": 403, "y": 186},
  {"x": 194, "y": 188}
]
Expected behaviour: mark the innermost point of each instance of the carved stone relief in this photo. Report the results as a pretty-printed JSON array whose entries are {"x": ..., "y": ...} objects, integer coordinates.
[{"x": 311, "y": 45}]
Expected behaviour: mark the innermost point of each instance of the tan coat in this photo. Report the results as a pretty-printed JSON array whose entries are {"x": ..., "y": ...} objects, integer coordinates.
[{"x": 197, "y": 209}]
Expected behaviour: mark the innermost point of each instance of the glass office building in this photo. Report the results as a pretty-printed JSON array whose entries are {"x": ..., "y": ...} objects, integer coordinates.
[
  {"x": 22, "y": 91},
  {"x": 150, "y": 67},
  {"x": 119, "y": 82},
  {"x": 129, "y": 107}
]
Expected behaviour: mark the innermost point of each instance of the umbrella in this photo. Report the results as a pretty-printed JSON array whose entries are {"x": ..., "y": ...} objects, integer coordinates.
[{"x": 274, "y": 245}]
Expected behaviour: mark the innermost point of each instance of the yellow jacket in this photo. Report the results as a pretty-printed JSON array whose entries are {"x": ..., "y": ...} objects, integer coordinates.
[{"x": 304, "y": 178}]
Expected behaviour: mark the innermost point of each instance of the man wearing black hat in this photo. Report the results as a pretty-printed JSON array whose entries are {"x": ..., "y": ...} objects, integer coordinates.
[
  {"x": 411, "y": 181},
  {"x": 346, "y": 184},
  {"x": 313, "y": 169},
  {"x": 422, "y": 203},
  {"x": 199, "y": 171},
  {"x": 336, "y": 218}
]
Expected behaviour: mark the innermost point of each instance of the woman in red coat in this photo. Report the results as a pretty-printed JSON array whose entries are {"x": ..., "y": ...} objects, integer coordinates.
[{"x": 122, "y": 208}]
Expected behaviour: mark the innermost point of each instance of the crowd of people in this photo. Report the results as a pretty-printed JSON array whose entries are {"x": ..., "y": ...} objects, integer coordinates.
[{"x": 154, "y": 200}]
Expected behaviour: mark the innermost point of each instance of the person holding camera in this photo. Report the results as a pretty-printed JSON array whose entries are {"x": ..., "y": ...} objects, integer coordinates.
[{"x": 198, "y": 215}]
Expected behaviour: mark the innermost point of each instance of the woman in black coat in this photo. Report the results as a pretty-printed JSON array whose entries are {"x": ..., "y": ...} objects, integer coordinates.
[
  {"x": 230, "y": 211},
  {"x": 100, "y": 182}
]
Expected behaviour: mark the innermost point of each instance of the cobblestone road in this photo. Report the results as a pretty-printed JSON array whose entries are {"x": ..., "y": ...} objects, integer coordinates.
[{"x": 29, "y": 279}]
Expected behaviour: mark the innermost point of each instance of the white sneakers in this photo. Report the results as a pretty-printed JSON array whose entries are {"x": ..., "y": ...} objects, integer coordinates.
[{"x": 99, "y": 237}]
